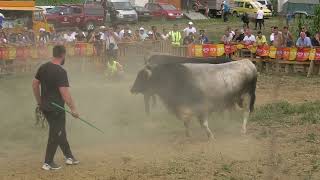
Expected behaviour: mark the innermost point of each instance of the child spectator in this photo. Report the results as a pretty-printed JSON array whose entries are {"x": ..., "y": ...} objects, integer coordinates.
[
  {"x": 203, "y": 39},
  {"x": 261, "y": 39}
]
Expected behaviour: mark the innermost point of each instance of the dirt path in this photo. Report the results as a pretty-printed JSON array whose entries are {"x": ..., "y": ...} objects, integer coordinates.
[{"x": 136, "y": 147}]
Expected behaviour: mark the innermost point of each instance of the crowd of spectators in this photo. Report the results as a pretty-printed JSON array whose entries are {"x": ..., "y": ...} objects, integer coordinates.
[
  {"x": 111, "y": 36},
  {"x": 278, "y": 38}
]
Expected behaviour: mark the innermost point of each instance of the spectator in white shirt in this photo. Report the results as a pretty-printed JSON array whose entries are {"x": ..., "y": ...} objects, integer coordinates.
[
  {"x": 165, "y": 34},
  {"x": 69, "y": 37},
  {"x": 189, "y": 29},
  {"x": 249, "y": 38},
  {"x": 125, "y": 30},
  {"x": 259, "y": 18},
  {"x": 143, "y": 35}
]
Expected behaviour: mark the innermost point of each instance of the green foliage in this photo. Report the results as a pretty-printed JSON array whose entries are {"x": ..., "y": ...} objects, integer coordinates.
[
  {"x": 284, "y": 112},
  {"x": 316, "y": 20}
]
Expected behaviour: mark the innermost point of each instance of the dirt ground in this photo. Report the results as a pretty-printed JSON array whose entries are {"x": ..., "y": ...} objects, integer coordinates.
[{"x": 135, "y": 146}]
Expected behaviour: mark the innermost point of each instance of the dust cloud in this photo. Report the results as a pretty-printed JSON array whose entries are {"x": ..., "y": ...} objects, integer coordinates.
[{"x": 130, "y": 136}]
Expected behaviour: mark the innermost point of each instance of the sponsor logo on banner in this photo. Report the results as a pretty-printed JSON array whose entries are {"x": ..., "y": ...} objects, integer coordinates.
[
  {"x": 206, "y": 50},
  {"x": 285, "y": 53},
  {"x": 213, "y": 50},
  {"x": 272, "y": 52},
  {"x": 279, "y": 53},
  {"x": 303, "y": 54},
  {"x": 317, "y": 58},
  {"x": 263, "y": 50},
  {"x": 198, "y": 51}
]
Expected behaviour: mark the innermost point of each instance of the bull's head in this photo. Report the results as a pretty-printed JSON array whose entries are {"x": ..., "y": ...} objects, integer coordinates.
[{"x": 140, "y": 85}]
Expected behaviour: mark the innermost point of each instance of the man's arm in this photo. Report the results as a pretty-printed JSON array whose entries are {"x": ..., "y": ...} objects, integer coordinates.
[
  {"x": 36, "y": 90},
  {"x": 66, "y": 96}
]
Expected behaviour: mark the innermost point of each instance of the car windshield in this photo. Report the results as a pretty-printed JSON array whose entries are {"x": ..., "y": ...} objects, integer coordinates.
[
  {"x": 139, "y": 8},
  {"x": 122, "y": 5},
  {"x": 168, "y": 7},
  {"x": 54, "y": 10},
  {"x": 256, "y": 4}
]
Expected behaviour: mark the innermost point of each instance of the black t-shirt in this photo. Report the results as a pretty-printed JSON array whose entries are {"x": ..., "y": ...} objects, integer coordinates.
[
  {"x": 51, "y": 77},
  {"x": 314, "y": 42}
]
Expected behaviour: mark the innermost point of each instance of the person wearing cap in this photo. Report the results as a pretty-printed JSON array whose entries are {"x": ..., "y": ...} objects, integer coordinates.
[
  {"x": 190, "y": 29},
  {"x": 175, "y": 36},
  {"x": 143, "y": 34}
]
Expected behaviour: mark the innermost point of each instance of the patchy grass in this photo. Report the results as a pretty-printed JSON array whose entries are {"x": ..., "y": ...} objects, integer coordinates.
[{"x": 284, "y": 112}]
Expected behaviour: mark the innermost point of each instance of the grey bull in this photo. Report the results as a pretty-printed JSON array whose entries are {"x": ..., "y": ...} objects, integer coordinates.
[
  {"x": 195, "y": 90},
  {"x": 168, "y": 59}
]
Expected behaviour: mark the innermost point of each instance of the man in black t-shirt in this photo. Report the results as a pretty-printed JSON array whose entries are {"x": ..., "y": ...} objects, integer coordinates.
[{"x": 53, "y": 80}]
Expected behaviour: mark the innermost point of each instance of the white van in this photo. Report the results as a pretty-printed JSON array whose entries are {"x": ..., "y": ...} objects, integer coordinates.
[{"x": 266, "y": 3}]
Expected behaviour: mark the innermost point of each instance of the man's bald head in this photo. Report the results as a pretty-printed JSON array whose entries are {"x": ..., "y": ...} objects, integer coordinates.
[{"x": 303, "y": 35}]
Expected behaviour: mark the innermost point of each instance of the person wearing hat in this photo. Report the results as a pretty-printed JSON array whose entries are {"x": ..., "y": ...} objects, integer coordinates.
[
  {"x": 143, "y": 35},
  {"x": 175, "y": 36},
  {"x": 43, "y": 38},
  {"x": 190, "y": 29}
]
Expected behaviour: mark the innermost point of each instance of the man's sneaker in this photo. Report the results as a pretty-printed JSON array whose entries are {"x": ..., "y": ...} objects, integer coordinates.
[
  {"x": 72, "y": 161},
  {"x": 50, "y": 166}
]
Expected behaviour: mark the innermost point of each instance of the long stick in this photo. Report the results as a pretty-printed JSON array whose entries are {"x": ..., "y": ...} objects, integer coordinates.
[{"x": 62, "y": 108}]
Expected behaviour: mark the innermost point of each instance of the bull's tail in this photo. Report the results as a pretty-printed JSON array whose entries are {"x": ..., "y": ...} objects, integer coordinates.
[{"x": 252, "y": 93}]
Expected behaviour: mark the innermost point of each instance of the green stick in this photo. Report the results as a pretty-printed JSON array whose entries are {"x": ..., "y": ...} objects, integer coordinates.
[{"x": 62, "y": 108}]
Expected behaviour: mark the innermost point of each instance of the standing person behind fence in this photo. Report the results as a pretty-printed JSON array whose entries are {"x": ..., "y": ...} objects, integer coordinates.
[
  {"x": 287, "y": 37},
  {"x": 225, "y": 11},
  {"x": 259, "y": 18},
  {"x": 190, "y": 29},
  {"x": 175, "y": 36},
  {"x": 278, "y": 38},
  {"x": 53, "y": 80}
]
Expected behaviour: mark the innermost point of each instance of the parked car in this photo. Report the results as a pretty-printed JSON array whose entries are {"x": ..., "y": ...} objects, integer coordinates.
[
  {"x": 82, "y": 16},
  {"x": 121, "y": 11},
  {"x": 143, "y": 13},
  {"x": 45, "y": 8},
  {"x": 249, "y": 6},
  {"x": 164, "y": 10},
  {"x": 266, "y": 3}
]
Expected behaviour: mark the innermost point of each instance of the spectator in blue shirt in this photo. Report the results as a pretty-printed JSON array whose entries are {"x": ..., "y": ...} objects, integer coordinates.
[
  {"x": 303, "y": 40},
  {"x": 203, "y": 39}
]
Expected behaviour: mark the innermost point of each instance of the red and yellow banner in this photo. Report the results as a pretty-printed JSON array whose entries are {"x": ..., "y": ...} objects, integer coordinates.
[{"x": 206, "y": 50}]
